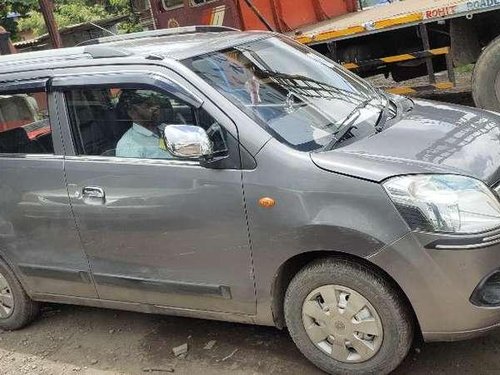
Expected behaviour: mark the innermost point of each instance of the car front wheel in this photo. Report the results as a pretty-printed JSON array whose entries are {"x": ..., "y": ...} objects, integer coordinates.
[{"x": 347, "y": 319}]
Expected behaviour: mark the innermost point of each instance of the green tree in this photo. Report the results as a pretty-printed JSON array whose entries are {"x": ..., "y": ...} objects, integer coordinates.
[
  {"x": 70, "y": 12},
  {"x": 16, "y": 6}
]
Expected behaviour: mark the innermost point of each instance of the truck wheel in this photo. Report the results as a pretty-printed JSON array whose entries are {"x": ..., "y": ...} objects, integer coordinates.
[
  {"x": 346, "y": 319},
  {"x": 486, "y": 78},
  {"x": 16, "y": 308}
]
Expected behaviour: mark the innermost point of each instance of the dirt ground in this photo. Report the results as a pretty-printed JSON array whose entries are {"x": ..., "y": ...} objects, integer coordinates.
[
  {"x": 80, "y": 340},
  {"x": 460, "y": 94}
]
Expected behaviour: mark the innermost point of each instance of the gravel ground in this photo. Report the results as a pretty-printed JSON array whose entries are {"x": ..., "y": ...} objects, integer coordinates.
[
  {"x": 80, "y": 340},
  {"x": 460, "y": 94}
]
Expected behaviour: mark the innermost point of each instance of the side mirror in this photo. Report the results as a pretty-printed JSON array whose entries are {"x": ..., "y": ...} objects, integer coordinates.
[{"x": 187, "y": 141}]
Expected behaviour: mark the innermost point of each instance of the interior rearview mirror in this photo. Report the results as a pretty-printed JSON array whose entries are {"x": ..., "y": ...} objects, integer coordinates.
[{"x": 187, "y": 141}]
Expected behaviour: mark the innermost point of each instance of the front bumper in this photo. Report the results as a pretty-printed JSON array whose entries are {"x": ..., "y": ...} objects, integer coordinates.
[{"x": 439, "y": 284}]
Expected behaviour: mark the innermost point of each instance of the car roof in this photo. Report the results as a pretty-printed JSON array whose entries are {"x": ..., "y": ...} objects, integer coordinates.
[
  {"x": 176, "y": 46},
  {"x": 179, "y": 47}
]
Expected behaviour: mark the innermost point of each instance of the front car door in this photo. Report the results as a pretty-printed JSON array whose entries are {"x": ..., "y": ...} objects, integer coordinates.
[
  {"x": 159, "y": 231},
  {"x": 38, "y": 236}
]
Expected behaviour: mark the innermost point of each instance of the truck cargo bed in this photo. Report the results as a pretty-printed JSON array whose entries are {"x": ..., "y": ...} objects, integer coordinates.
[{"x": 395, "y": 15}]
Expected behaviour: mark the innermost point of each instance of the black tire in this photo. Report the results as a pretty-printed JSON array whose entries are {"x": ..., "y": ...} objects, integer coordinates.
[
  {"x": 485, "y": 76},
  {"x": 24, "y": 309},
  {"x": 396, "y": 319}
]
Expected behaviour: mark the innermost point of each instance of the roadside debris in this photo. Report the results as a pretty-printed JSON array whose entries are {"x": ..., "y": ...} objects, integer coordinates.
[
  {"x": 158, "y": 369},
  {"x": 180, "y": 350},
  {"x": 230, "y": 355},
  {"x": 209, "y": 345}
]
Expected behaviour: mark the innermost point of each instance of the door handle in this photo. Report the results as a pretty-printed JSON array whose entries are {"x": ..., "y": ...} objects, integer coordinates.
[{"x": 93, "y": 195}]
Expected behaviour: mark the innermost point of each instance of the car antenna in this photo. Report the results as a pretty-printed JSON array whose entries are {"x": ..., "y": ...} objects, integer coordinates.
[
  {"x": 114, "y": 34},
  {"x": 132, "y": 44}
]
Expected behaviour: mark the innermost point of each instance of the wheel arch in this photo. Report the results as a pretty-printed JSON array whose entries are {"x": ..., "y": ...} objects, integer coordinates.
[
  {"x": 15, "y": 270},
  {"x": 291, "y": 266},
  {"x": 469, "y": 36}
]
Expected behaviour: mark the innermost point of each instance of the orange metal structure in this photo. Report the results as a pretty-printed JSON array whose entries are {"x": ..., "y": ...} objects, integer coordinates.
[
  {"x": 288, "y": 15},
  {"x": 281, "y": 15}
]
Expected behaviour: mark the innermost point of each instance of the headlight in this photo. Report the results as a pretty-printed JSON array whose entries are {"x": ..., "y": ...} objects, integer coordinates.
[{"x": 444, "y": 203}]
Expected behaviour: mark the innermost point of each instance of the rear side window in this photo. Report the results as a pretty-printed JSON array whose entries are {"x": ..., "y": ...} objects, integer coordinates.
[{"x": 24, "y": 124}]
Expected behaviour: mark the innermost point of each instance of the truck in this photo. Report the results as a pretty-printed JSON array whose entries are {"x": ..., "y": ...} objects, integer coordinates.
[{"x": 402, "y": 40}]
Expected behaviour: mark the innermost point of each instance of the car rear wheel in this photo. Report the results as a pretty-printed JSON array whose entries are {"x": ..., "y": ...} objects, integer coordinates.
[
  {"x": 346, "y": 319},
  {"x": 16, "y": 308}
]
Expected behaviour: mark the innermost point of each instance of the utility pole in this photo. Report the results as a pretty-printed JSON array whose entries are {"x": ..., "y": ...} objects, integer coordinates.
[
  {"x": 48, "y": 15},
  {"x": 6, "y": 46}
]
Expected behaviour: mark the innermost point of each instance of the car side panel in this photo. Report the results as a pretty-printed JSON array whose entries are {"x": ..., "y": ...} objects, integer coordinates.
[
  {"x": 315, "y": 210},
  {"x": 37, "y": 231},
  {"x": 168, "y": 232},
  {"x": 38, "y": 236}
]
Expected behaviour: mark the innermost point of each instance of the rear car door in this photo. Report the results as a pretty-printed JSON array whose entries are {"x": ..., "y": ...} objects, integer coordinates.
[
  {"x": 167, "y": 232},
  {"x": 38, "y": 236}
]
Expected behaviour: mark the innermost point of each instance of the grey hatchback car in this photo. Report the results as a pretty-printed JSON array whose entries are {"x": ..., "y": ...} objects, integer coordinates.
[{"x": 240, "y": 176}]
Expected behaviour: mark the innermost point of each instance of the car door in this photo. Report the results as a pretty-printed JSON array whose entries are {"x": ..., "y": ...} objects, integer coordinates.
[
  {"x": 167, "y": 232},
  {"x": 38, "y": 236}
]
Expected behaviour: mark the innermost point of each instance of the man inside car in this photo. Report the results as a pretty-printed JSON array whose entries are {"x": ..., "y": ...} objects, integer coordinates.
[{"x": 143, "y": 139}]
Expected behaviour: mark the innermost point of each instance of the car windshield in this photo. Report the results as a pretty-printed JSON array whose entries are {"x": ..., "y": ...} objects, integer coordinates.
[{"x": 299, "y": 96}]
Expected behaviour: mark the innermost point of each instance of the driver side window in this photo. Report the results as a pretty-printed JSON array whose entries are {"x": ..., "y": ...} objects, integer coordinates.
[{"x": 112, "y": 121}]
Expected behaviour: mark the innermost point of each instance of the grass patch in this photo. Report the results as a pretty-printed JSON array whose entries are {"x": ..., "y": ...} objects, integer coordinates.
[{"x": 468, "y": 68}]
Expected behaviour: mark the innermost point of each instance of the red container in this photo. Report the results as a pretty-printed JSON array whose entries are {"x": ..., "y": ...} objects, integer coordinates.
[{"x": 282, "y": 15}]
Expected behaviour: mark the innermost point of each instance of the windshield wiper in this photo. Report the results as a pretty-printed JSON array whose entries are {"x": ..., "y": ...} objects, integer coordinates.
[
  {"x": 386, "y": 114},
  {"x": 347, "y": 124},
  {"x": 303, "y": 89}
]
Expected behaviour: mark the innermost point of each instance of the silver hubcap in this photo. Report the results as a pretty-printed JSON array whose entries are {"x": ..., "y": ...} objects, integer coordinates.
[
  {"x": 342, "y": 323},
  {"x": 6, "y": 298}
]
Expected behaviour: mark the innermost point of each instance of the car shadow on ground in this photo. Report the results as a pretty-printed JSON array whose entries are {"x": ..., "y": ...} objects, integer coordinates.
[{"x": 130, "y": 343}]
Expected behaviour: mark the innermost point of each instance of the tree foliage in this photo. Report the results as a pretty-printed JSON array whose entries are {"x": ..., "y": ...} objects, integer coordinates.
[
  {"x": 19, "y": 6},
  {"x": 14, "y": 6},
  {"x": 69, "y": 12}
]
